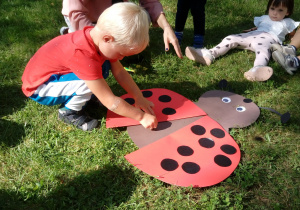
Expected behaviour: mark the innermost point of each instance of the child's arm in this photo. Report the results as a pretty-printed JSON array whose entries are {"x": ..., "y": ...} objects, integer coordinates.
[
  {"x": 103, "y": 92},
  {"x": 126, "y": 81},
  {"x": 248, "y": 30}
]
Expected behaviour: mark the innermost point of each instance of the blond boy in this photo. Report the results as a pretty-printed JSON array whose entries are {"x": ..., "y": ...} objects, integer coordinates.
[{"x": 70, "y": 68}]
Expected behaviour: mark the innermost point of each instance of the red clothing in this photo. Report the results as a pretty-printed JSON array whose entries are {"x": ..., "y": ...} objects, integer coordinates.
[
  {"x": 74, "y": 52},
  {"x": 82, "y": 13}
]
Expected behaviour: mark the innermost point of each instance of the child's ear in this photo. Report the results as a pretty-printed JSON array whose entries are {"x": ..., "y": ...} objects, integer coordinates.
[
  {"x": 108, "y": 38},
  {"x": 287, "y": 14}
]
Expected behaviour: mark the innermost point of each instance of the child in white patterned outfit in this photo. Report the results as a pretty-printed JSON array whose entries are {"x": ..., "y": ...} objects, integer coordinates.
[{"x": 271, "y": 28}]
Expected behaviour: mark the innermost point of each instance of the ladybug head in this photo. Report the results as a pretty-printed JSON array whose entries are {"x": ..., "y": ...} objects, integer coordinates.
[{"x": 230, "y": 110}]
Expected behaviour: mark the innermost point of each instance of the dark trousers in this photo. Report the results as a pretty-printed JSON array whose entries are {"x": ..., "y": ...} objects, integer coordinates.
[{"x": 197, "y": 8}]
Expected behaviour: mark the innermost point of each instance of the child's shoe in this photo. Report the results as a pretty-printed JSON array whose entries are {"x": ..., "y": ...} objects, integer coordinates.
[
  {"x": 179, "y": 36},
  {"x": 289, "y": 62},
  {"x": 202, "y": 56},
  {"x": 63, "y": 30},
  {"x": 286, "y": 49},
  {"x": 80, "y": 120},
  {"x": 259, "y": 73},
  {"x": 198, "y": 41}
]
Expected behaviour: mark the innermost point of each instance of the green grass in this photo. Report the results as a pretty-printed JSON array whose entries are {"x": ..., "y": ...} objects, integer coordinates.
[{"x": 46, "y": 164}]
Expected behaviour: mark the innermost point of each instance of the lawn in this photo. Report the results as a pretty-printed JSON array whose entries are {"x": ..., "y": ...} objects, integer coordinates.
[{"x": 46, "y": 164}]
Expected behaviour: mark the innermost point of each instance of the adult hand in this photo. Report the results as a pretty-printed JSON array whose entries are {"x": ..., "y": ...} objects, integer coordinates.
[{"x": 169, "y": 37}]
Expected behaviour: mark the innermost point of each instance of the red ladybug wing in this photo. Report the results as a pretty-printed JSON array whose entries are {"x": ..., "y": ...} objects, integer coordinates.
[
  {"x": 199, "y": 155},
  {"x": 168, "y": 105}
]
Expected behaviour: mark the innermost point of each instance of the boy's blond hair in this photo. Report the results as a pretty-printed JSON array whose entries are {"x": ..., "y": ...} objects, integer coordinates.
[{"x": 128, "y": 23}]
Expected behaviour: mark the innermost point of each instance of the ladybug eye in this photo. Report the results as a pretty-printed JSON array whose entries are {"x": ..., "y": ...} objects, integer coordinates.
[
  {"x": 240, "y": 109},
  {"x": 226, "y": 100}
]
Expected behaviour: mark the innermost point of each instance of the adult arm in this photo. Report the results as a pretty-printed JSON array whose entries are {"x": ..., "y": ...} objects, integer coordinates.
[
  {"x": 83, "y": 13},
  {"x": 155, "y": 10},
  {"x": 169, "y": 35}
]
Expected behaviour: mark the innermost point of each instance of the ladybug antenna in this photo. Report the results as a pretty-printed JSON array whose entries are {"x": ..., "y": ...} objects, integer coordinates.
[
  {"x": 284, "y": 117},
  {"x": 224, "y": 84}
]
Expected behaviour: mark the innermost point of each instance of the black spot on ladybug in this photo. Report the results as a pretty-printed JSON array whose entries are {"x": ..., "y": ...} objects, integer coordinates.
[
  {"x": 190, "y": 167},
  {"x": 217, "y": 132},
  {"x": 164, "y": 98},
  {"x": 258, "y": 52},
  {"x": 163, "y": 126},
  {"x": 169, "y": 111},
  {"x": 198, "y": 129},
  {"x": 228, "y": 149},
  {"x": 227, "y": 45},
  {"x": 263, "y": 37},
  {"x": 169, "y": 164},
  {"x": 185, "y": 151},
  {"x": 259, "y": 43},
  {"x": 222, "y": 160},
  {"x": 147, "y": 93},
  {"x": 247, "y": 100},
  {"x": 131, "y": 101},
  {"x": 228, "y": 38},
  {"x": 206, "y": 142},
  {"x": 218, "y": 47}
]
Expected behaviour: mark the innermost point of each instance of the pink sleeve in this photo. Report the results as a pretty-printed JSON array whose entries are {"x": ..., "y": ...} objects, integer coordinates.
[
  {"x": 83, "y": 13},
  {"x": 154, "y": 8}
]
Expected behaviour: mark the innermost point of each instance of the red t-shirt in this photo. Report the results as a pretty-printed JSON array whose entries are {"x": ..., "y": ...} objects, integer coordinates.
[{"x": 74, "y": 52}]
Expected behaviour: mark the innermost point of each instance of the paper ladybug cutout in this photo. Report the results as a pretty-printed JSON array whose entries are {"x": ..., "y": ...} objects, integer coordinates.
[
  {"x": 168, "y": 106},
  {"x": 194, "y": 151},
  {"x": 212, "y": 156}
]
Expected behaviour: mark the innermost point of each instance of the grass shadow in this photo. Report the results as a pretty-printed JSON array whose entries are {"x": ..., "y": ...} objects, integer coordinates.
[
  {"x": 11, "y": 133},
  {"x": 101, "y": 189}
]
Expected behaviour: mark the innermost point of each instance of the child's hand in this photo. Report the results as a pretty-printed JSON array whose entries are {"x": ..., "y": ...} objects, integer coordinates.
[
  {"x": 145, "y": 105},
  {"x": 248, "y": 30},
  {"x": 149, "y": 121}
]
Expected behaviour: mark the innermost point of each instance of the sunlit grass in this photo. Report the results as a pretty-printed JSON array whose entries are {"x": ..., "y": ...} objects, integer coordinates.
[{"x": 48, "y": 164}]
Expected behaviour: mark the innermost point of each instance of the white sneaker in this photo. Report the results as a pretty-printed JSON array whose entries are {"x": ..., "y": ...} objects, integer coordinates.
[
  {"x": 202, "y": 56},
  {"x": 259, "y": 73},
  {"x": 288, "y": 62},
  {"x": 285, "y": 49}
]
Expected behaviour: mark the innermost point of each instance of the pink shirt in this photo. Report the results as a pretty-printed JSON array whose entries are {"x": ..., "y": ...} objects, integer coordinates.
[
  {"x": 82, "y": 13},
  {"x": 74, "y": 52}
]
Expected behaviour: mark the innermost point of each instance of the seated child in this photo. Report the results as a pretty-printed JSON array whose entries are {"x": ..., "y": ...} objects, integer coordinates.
[
  {"x": 271, "y": 28},
  {"x": 69, "y": 69}
]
